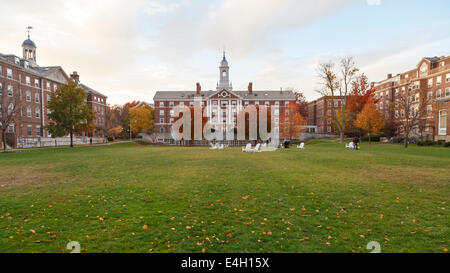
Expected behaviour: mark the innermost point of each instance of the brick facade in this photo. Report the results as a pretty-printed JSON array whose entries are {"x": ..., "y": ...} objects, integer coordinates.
[
  {"x": 430, "y": 78},
  {"x": 23, "y": 79}
]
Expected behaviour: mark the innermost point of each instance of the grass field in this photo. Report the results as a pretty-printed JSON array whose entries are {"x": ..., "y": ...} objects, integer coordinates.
[{"x": 129, "y": 198}]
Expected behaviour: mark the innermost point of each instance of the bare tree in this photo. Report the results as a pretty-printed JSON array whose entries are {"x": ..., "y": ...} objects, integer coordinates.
[
  {"x": 410, "y": 107},
  {"x": 337, "y": 84},
  {"x": 10, "y": 105}
]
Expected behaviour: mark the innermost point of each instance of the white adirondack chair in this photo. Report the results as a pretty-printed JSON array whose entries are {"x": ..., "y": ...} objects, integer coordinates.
[
  {"x": 256, "y": 150},
  {"x": 214, "y": 147},
  {"x": 351, "y": 145},
  {"x": 221, "y": 146},
  {"x": 301, "y": 146},
  {"x": 247, "y": 148}
]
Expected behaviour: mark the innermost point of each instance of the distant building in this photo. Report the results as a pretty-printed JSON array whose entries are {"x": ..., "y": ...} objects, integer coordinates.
[
  {"x": 33, "y": 84},
  {"x": 218, "y": 100},
  {"x": 320, "y": 114},
  {"x": 431, "y": 77}
]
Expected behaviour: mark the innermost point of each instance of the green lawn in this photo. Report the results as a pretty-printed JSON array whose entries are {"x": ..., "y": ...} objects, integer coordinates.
[{"x": 129, "y": 198}]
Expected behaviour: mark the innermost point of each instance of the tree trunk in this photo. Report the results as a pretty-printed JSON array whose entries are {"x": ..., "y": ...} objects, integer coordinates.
[
  {"x": 71, "y": 139},
  {"x": 406, "y": 139},
  {"x": 4, "y": 140},
  {"x": 341, "y": 137},
  {"x": 369, "y": 138}
]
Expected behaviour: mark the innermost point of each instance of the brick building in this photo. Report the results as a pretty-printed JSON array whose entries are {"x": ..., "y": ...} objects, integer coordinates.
[
  {"x": 25, "y": 84},
  {"x": 218, "y": 101},
  {"x": 430, "y": 78},
  {"x": 320, "y": 114}
]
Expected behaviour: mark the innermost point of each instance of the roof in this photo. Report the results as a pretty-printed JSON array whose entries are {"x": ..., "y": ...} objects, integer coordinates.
[
  {"x": 255, "y": 95},
  {"x": 28, "y": 42},
  {"x": 90, "y": 90}
]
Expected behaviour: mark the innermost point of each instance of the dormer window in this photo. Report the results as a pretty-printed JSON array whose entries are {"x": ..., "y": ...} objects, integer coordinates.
[{"x": 17, "y": 60}]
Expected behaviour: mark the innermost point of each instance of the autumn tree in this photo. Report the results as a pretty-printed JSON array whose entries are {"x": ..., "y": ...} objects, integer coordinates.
[
  {"x": 69, "y": 111},
  {"x": 141, "y": 119},
  {"x": 292, "y": 124},
  {"x": 410, "y": 106},
  {"x": 362, "y": 93},
  {"x": 337, "y": 85},
  {"x": 10, "y": 105},
  {"x": 370, "y": 119},
  {"x": 302, "y": 103}
]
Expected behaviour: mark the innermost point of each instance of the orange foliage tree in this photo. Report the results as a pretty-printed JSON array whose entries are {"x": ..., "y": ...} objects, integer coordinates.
[
  {"x": 292, "y": 124},
  {"x": 141, "y": 119},
  {"x": 370, "y": 119}
]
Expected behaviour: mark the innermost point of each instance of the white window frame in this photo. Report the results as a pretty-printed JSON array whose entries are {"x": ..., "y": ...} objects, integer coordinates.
[{"x": 442, "y": 131}]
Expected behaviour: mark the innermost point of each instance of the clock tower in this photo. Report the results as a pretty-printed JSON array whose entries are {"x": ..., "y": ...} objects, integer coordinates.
[{"x": 224, "y": 71}]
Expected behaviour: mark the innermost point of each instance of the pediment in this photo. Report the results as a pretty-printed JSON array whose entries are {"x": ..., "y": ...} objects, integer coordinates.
[
  {"x": 224, "y": 94},
  {"x": 58, "y": 75}
]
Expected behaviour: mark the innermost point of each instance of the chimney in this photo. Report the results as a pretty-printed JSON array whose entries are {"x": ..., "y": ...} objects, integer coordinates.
[
  {"x": 74, "y": 76},
  {"x": 281, "y": 89},
  {"x": 250, "y": 87},
  {"x": 199, "y": 89},
  {"x": 389, "y": 76}
]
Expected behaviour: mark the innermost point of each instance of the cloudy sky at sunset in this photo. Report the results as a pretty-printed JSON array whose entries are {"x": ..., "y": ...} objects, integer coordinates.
[{"x": 130, "y": 49}]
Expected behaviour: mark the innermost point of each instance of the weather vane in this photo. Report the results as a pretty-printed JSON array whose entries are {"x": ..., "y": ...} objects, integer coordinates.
[{"x": 29, "y": 28}]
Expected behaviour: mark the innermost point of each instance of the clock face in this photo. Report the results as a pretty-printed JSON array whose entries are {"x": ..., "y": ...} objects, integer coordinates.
[{"x": 424, "y": 68}]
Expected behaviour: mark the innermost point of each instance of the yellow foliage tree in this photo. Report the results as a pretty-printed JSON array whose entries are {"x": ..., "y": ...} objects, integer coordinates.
[
  {"x": 369, "y": 119},
  {"x": 141, "y": 119}
]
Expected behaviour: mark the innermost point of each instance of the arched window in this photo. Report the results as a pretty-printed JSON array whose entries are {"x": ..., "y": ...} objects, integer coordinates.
[
  {"x": 29, "y": 111},
  {"x": 224, "y": 73}
]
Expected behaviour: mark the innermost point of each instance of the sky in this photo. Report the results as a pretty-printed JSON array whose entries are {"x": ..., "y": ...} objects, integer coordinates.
[{"x": 130, "y": 49}]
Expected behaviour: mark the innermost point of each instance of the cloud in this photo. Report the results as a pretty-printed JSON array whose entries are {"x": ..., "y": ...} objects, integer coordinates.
[{"x": 373, "y": 2}]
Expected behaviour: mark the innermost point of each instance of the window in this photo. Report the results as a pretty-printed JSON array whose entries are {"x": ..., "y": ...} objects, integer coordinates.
[
  {"x": 429, "y": 109},
  {"x": 329, "y": 129},
  {"x": 286, "y": 103},
  {"x": 161, "y": 112},
  {"x": 447, "y": 92},
  {"x": 256, "y": 102},
  {"x": 439, "y": 80},
  {"x": 447, "y": 77},
  {"x": 48, "y": 86},
  {"x": 29, "y": 130},
  {"x": 37, "y": 113},
  {"x": 277, "y": 103},
  {"x": 9, "y": 73},
  {"x": 171, "y": 113},
  {"x": 182, "y": 103},
  {"x": 28, "y": 96},
  {"x": 36, "y": 83},
  {"x": 430, "y": 83},
  {"x": 438, "y": 93},
  {"x": 11, "y": 128},
  {"x": 55, "y": 86},
  {"x": 16, "y": 60},
  {"x": 161, "y": 104},
  {"x": 38, "y": 131},
  {"x": 191, "y": 104},
  {"x": 29, "y": 111},
  {"x": 48, "y": 98},
  {"x": 161, "y": 120},
  {"x": 36, "y": 97},
  {"x": 161, "y": 130},
  {"x": 267, "y": 103},
  {"x": 10, "y": 91},
  {"x": 430, "y": 95},
  {"x": 171, "y": 120},
  {"x": 171, "y": 104},
  {"x": 27, "y": 80},
  {"x": 442, "y": 122},
  {"x": 1, "y": 89},
  {"x": 381, "y": 105},
  {"x": 10, "y": 108}
]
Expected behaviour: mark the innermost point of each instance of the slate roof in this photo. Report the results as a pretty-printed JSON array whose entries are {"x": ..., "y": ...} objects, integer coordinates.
[
  {"x": 90, "y": 90},
  {"x": 256, "y": 95}
]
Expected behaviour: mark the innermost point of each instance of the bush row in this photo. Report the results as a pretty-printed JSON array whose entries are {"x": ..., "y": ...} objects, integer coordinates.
[{"x": 433, "y": 143}]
